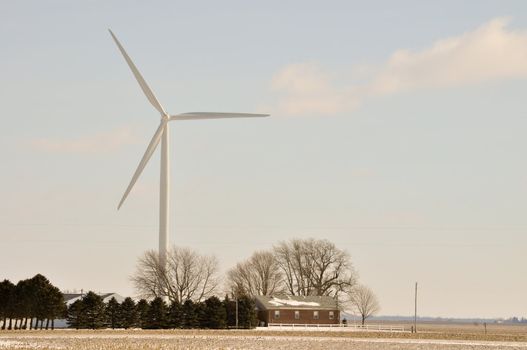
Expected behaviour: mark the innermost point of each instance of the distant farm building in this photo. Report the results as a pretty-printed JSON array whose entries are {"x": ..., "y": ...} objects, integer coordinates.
[
  {"x": 305, "y": 310},
  {"x": 70, "y": 298}
]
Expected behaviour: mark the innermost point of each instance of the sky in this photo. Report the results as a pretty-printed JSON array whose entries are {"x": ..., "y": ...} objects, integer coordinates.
[{"x": 397, "y": 132}]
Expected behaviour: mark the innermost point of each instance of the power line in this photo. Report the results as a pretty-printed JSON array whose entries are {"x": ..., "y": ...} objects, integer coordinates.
[{"x": 283, "y": 227}]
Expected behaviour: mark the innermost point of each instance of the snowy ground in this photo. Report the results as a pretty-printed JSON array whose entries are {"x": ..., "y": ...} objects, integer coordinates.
[{"x": 227, "y": 340}]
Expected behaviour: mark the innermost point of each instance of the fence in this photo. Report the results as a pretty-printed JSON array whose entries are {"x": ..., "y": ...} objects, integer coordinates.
[{"x": 343, "y": 326}]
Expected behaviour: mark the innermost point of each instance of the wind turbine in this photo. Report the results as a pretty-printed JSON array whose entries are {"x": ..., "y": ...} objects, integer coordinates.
[{"x": 162, "y": 135}]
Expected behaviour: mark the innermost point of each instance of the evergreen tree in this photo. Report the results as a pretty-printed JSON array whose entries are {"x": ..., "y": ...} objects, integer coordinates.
[
  {"x": 41, "y": 295},
  {"x": 174, "y": 315},
  {"x": 7, "y": 295},
  {"x": 215, "y": 314},
  {"x": 75, "y": 315},
  {"x": 200, "y": 310},
  {"x": 247, "y": 317},
  {"x": 36, "y": 298},
  {"x": 55, "y": 305},
  {"x": 33, "y": 301},
  {"x": 142, "y": 312},
  {"x": 93, "y": 311},
  {"x": 230, "y": 310},
  {"x": 22, "y": 303},
  {"x": 113, "y": 313},
  {"x": 157, "y": 314},
  {"x": 189, "y": 318},
  {"x": 35, "y": 284},
  {"x": 129, "y": 317}
]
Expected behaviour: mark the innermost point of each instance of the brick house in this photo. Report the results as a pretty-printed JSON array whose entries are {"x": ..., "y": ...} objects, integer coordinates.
[{"x": 297, "y": 310}]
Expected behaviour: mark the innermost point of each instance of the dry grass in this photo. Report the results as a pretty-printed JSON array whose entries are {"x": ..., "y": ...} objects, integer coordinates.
[
  {"x": 436, "y": 337},
  {"x": 478, "y": 328}
]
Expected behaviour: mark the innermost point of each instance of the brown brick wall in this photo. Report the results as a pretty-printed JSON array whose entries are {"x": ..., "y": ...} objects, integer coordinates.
[{"x": 306, "y": 317}]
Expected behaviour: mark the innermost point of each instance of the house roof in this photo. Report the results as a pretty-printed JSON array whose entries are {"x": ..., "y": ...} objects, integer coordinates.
[
  {"x": 70, "y": 298},
  {"x": 295, "y": 302}
]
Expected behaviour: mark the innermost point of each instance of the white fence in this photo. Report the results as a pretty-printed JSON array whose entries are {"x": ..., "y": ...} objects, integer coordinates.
[
  {"x": 343, "y": 326},
  {"x": 377, "y": 327}
]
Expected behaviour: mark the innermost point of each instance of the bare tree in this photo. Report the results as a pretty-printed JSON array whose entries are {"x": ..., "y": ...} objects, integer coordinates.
[
  {"x": 186, "y": 276},
  {"x": 259, "y": 275},
  {"x": 364, "y": 302},
  {"x": 292, "y": 258},
  {"x": 148, "y": 275},
  {"x": 315, "y": 267}
]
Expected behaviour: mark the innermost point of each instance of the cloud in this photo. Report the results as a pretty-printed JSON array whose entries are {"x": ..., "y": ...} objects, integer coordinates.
[
  {"x": 487, "y": 53},
  {"x": 88, "y": 144},
  {"x": 490, "y": 52},
  {"x": 307, "y": 89}
]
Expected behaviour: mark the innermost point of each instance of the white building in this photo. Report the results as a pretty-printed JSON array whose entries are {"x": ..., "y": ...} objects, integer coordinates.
[{"x": 70, "y": 298}]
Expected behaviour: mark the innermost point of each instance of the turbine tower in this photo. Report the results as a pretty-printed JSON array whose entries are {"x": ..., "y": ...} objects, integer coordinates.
[{"x": 162, "y": 135}]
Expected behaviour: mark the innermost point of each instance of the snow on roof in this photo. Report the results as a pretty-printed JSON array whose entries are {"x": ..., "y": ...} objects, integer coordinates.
[
  {"x": 290, "y": 302},
  {"x": 70, "y": 298},
  {"x": 268, "y": 302}
]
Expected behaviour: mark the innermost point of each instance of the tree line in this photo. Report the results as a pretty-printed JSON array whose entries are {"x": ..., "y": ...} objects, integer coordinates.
[
  {"x": 29, "y": 303},
  {"x": 36, "y": 299},
  {"x": 91, "y": 312},
  {"x": 190, "y": 283},
  {"x": 298, "y": 267}
]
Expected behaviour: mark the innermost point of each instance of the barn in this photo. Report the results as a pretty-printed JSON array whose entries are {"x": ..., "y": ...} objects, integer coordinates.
[{"x": 306, "y": 310}]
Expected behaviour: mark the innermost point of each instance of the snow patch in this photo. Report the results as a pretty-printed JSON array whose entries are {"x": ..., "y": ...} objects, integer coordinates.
[
  {"x": 5, "y": 344},
  {"x": 289, "y": 302}
]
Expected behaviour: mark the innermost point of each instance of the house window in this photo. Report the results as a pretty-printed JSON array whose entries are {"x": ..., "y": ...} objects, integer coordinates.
[
  {"x": 331, "y": 315},
  {"x": 297, "y": 315},
  {"x": 276, "y": 314},
  {"x": 315, "y": 315}
]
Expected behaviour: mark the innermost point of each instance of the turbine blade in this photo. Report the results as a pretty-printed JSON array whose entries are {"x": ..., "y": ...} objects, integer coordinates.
[
  {"x": 144, "y": 86},
  {"x": 214, "y": 115},
  {"x": 146, "y": 157}
]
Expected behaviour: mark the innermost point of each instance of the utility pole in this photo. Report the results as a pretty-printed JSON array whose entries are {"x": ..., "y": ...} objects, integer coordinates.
[{"x": 415, "y": 310}]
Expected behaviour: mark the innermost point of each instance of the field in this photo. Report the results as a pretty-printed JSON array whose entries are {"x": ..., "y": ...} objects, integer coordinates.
[
  {"x": 436, "y": 337},
  {"x": 493, "y": 329}
]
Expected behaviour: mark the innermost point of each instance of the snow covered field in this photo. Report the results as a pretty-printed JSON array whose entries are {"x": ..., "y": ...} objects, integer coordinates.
[{"x": 117, "y": 340}]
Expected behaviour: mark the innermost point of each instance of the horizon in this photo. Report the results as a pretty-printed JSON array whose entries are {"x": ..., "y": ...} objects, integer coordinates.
[{"x": 401, "y": 146}]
